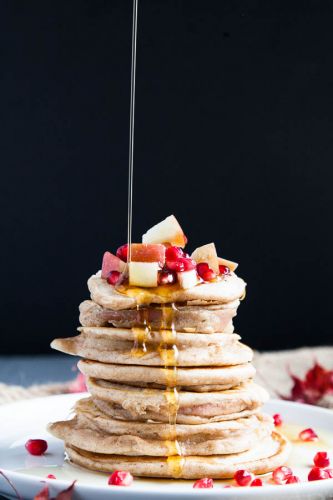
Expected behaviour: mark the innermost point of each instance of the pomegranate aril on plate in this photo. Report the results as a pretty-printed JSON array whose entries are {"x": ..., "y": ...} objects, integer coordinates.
[
  {"x": 321, "y": 459},
  {"x": 122, "y": 252},
  {"x": 206, "y": 482},
  {"x": 113, "y": 277},
  {"x": 50, "y": 476},
  {"x": 173, "y": 253},
  {"x": 208, "y": 275},
  {"x": 308, "y": 435},
  {"x": 202, "y": 267},
  {"x": 256, "y": 482},
  {"x": 293, "y": 479},
  {"x": 36, "y": 446},
  {"x": 281, "y": 474},
  {"x": 120, "y": 478},
  {"x": 316, "y": 473},
  {"x": 243, "y": 477},
  {"x": 166, "y": 278},
  {"x": 224, "y": 269},
  {"x": 277, "y": 419}
]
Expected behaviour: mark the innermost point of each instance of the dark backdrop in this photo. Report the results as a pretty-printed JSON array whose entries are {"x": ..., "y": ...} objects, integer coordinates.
[{"x": 233, "y": 136}]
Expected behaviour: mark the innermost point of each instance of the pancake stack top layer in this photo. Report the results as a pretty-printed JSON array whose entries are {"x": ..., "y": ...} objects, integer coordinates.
[{"x": 171, "y": 384}]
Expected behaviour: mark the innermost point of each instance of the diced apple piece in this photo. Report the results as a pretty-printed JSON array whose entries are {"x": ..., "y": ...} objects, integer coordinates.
[
  {"x": 112, "y": 263},
  {"x": 167, "y": 231},
  {"x": 143, "y": 273},
  {"x": 229, "y": 263},
  {"x": 188, "y": 279},
  {"x": 146, "y": 252},
  {"x": 207, "y": 253}
]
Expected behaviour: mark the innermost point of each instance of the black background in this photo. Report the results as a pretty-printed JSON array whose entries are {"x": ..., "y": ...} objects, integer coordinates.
[{"x": 233, "y": 136}]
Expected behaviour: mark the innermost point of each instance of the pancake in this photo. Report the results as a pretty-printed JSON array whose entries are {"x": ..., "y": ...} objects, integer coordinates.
[
  {"x": 109, "y": 345},
  {"x": 270, "y": 453},
  {"x": 230, "y": 288},
  {"x": 195, "y": 319},
  {"x": 146, "y": 404},
  {"x": 192, "y": 379},
  {"x": 92, "y": 431}
]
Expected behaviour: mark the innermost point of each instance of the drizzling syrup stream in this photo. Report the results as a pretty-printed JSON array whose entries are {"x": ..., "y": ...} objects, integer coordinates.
[{"x": 167, "y": 348}]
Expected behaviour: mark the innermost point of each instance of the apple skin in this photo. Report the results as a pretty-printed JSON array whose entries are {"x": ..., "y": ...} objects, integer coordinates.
[
  {"x": 144, "y": 274},
  {"x": 147, "y": 252},
  {"x": 166, "y": 231},
  {"x": 207, "y": 253},
  {"x": 229, "y": 263},
  {"x": 112, "y": 263},
  {"x": 188, "y": 279}
]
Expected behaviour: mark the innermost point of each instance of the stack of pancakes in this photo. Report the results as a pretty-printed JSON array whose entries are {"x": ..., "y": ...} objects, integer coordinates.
[{"x": 171, "y": 385}]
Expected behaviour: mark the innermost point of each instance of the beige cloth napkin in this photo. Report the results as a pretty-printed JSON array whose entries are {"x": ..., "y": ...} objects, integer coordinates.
[{"x": 272, "y": 373}]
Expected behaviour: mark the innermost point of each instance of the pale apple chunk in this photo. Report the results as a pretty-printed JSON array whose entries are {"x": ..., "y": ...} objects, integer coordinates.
[
  {"x": 112, "y": 263},
  {"x": 167, "y": 231},
  {"x": 146, "y": 252},
  {"x": 143, "y": 273},
  {"x": 229, "y": 263},
  {"x": 207, "y": 253},
  {"x": 188, "y": 279}
]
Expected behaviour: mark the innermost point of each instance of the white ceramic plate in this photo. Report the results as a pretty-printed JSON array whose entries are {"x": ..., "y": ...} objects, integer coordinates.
[{"x": 28, "y": 419}]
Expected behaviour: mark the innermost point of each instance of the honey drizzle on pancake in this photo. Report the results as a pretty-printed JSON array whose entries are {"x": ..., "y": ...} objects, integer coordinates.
[{"x": 141, "y": 333}]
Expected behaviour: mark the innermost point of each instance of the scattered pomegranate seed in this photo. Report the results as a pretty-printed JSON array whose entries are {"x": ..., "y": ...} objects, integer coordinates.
[
  {"x": 228, "y": 486},
  {"x": 293, "y": 479},
  {"x": 329, "y": 472},
  {"x": 281, "y": 474},
  {"x": 277, "y": 420},
  {"x": 208, "y": 275},
  {"x": 243, "y": 477},
  {"x": 308, "y": 435},
  {"x": 317, "y": 473},
  {"x": 206, "y": 482},
  {"x": 51, "y": 476},
  {"x": 202, "y": 267},
  {"x": 321, "y": 459},
  {"x": 120, "y": 478},
  {"x": 113, "y": 277},
  {"x": 166, "y": 278},
  {"x": 224, "y": 269},
  {"x": 122, "y": 252},
  {"x": 173, "y": 253},
  {"x": 256, "y": 482},
  {"x": 36, "y": 446}
]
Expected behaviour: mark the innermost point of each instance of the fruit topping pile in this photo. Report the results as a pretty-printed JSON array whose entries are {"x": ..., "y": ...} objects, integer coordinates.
[{"x": 161, "y": 260}]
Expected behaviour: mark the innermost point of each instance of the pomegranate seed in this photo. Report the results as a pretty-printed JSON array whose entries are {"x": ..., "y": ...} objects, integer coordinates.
[
  {"x": 281, "y": 474},
  {"x": 122, "y": 252},
  {"x": 321, "y": 459},
  {"x": 228, "y": 486},
  {"x": 317, "y": 473},
  {"x": 120, "y": 478},
  {"x": 166, "y": 278},
  {"x": 36, "y": 446},
  {"x": 113, "y": 277},
  {"x": 208, "y": 275},
  {"x": 224, "y": 269},
  {"x": 256, "y": 482},
  {"x": 51, "y": 476},
  {"x": 293, "y": 479},
  {"x": 329, "y": 472},
  {"x": 206, "y": 482},
  {"x": 181, "y": 265},
  {"x": 202, "y": 267},
  {"x": 173, "y": 253},
  {"x": 243, "y": 477},
  {"x": 308, "y": 435},
  {"x": 277, "y": 419}
]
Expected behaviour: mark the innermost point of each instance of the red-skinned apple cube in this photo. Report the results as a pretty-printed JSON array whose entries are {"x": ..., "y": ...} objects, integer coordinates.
[
  {"x": 112, "y": 263},
  {"x": 146, "y": 252}
]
